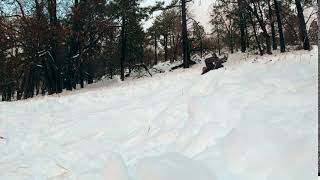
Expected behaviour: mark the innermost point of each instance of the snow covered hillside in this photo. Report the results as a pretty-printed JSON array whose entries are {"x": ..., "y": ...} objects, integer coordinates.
[{"x": 256, "y": 119}]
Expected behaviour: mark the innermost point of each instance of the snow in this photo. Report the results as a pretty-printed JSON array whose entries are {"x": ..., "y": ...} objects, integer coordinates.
[
  {"x": 254, "y": 119},
  {"x": 172, "y": 165},
  {"x": 310, "y": 14},
  {"x": 116, "y": 168}
]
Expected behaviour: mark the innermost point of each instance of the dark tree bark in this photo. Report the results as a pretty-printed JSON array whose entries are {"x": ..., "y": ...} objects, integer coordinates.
[
  {"x": 247, "y": 38},
  {"x": 302, "y": 26},
  {"x": 262, "y": 25},
  {"x": 231, "y": 41},
  {"x": 55, "y": 45},
  {"x": 273, "y": 31},
  {"x": 171, "y": 48},
  {"x": 255, "y": 35},
  {"x": 165, "y": 37},
  {"x": 186, "y": 52},
  {"x": 81, "y": 79},
  {"x": 218, "y": 38},
  {"x": 201, "y": 48},
  {"x": 74, "y": 47},
  {"x": 175, "y": 46},
  {"x": 242, "y": 27},
  {"x": 123, "y": 47},
  {"x": 90, "y": 73},
  {"x": 231, "y": 37},
  {"x": 279, "y": 20},
  {"x": 264, "y": 29},
  {"x": 155, "y": 49}
]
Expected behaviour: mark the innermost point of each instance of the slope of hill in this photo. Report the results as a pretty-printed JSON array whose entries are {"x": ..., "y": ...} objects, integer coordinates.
[{"x": 254, "y": 119}]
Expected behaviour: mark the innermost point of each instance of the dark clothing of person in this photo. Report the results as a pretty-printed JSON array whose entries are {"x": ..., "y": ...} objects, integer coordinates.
[
  {"x": 213, "y": 63},
  {"x": 210, "y": 62}
]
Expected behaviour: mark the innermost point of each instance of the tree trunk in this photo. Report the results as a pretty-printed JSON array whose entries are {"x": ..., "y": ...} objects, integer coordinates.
[
  {"x": 242, "y": 27},
  {"x": 54, "y": 42},
  {"x": 302, "y": 26},
  {"x": 255, "y": 35},
  {"x": 186, "y": 52},
  {"x": 155, "y": 49},
  {"x": 267, "y": 37},
  {"x": 176, "y": 47},
  {"x": 90, "y": 59},
  {"x": 74, "y": 47},
  {"x": 262, "y": 25},
  {"x": 219, "y": 46},
  {"x": 231, "y": 37},
  {"x": 201, "y": 48},
  {"x": 123, "y": 47},
  {"x": 171, "y": 42},
  {"x": 90, "y": 72},
  {"x": 165, "y": 37},
  {"x": 278, "y": 11},
  {"x": 247, "y": 38},
  {"x": 230, "y": 41},
  {"x": 81, "y": 78},
  {"x": 265, "y": 32},
  {"x": 171, "y": 48},
  {"x": 273, "y": 32}
]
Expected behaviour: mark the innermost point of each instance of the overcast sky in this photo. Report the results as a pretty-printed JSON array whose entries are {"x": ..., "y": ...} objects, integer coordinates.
[{"x": 199, "y": 9}]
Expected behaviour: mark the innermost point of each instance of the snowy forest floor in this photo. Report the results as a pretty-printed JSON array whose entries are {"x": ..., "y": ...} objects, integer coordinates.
[{"x": 255, "y": 119}]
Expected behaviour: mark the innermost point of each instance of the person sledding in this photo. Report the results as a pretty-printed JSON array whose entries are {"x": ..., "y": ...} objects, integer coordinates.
[{"x": 213, "y": 62}]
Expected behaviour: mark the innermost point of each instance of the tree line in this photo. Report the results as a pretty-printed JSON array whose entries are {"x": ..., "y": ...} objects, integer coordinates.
[
  {"x": 48, "y": 46},
  {"x": 263, "y": 25}
]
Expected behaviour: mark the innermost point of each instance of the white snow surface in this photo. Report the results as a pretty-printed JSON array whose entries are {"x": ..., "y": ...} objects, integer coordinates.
[{"x": 255, "y": 119}]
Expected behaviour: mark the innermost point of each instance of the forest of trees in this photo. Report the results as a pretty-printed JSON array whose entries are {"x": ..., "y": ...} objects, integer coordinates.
[
  {"x": 47, "y": 46},
  {"x": 263, "y": 25}
]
